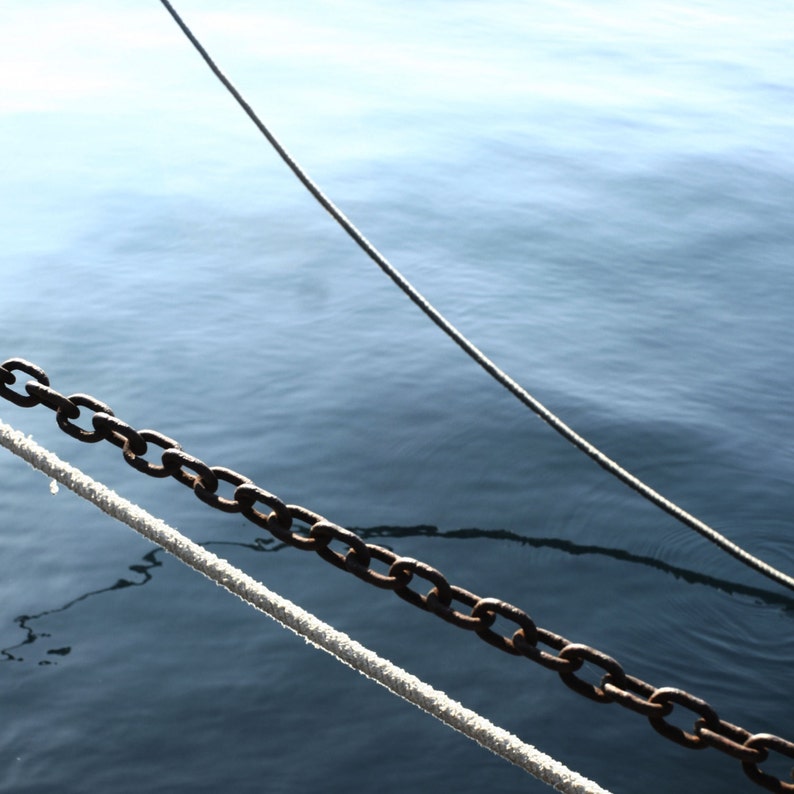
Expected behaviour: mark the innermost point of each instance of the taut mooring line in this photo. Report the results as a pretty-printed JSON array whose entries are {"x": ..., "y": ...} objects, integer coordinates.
[{"x": 472, "y": 350}]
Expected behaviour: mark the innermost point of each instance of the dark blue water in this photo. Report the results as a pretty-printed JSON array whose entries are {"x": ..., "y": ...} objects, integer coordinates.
[{"x": 601, "y": 198}]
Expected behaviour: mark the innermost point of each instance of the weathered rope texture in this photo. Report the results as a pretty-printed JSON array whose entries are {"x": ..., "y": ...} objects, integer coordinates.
[{"x": 306, "y": 625}]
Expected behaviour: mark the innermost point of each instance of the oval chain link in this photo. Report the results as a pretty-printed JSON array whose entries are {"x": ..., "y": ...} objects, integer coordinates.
[
  {"x": 613, "y": 672},
  {"x": 75, "y": 431},
  {"x": 211, "y": 498},
  {"x": 7, "y": 377},
  {"x": 708, "y": 717},
  {"x": 147, "y": 467},
  {"x": 489, "y": 609},
  {"x": 766, "y": 742}
]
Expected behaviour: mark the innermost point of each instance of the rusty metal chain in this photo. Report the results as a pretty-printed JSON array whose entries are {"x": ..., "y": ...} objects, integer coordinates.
[{"x": 396, "y": 573}]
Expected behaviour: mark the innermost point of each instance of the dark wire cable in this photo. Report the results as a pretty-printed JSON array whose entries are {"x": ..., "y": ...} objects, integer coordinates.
[{"x": 475, "y": 353}]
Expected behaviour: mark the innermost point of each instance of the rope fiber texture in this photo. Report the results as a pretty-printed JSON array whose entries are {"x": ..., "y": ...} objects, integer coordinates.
[
  {"x": 304, "y": 624},
  {"x": 474, "y": 352}
]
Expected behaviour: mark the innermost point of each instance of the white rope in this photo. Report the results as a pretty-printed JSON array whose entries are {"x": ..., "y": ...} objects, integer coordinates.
[{"x": 321, "y": 635}]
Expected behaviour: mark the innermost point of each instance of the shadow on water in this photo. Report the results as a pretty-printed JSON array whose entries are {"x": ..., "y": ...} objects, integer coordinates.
[
  {"x": 24, "y": 621},
  {"x": 266, "y": 544}
]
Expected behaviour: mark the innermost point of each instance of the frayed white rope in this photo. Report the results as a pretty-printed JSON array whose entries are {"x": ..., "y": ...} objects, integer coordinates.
[{"x": 321, "y": 635}]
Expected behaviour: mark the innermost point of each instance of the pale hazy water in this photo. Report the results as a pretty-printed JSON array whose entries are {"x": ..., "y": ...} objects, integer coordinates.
[{"x": 600, "y": 196}]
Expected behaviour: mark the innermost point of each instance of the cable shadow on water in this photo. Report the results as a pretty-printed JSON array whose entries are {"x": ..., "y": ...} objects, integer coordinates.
[
  {"x": 269, "y": 544},
  {"x": 23, "y": 621}
]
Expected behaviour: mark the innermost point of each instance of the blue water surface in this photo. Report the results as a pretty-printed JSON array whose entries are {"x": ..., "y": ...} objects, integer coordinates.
[{"x": 599, "y": 194}]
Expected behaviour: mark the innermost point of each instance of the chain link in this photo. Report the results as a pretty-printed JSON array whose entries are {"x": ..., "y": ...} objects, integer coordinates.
[{"x": 615, "y": 685}]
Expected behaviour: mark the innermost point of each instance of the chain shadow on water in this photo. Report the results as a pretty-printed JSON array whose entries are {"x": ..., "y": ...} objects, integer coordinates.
[{"x": 150, "y": 561}]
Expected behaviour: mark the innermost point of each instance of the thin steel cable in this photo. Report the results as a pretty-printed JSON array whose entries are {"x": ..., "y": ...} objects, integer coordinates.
[
  {"x": 304, "y": 624},
  {"x": 474, "y": 352}
]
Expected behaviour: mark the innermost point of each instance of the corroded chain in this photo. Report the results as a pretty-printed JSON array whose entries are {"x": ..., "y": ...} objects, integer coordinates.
[{"x": 396, "y": 573}]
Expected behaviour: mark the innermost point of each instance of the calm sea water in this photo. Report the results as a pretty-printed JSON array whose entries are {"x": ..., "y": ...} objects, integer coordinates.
[{"x": 599, "y": 195}]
